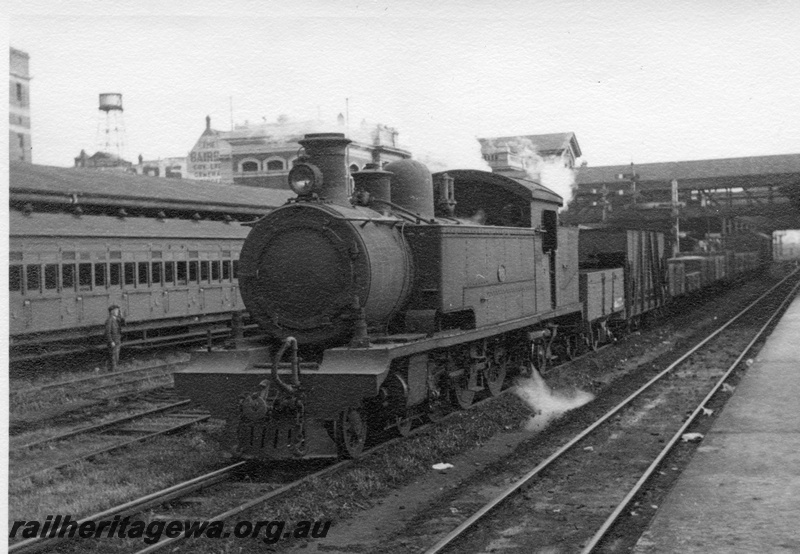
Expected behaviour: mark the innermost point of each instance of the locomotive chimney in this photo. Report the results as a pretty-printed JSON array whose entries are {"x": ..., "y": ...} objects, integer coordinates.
[
  {"x": 376, "y": 183},
  {"x": 328, "y": 151}
]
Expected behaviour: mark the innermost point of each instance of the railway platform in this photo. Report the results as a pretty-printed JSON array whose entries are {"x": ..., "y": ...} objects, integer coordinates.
[{"x": 741, "y": 490}]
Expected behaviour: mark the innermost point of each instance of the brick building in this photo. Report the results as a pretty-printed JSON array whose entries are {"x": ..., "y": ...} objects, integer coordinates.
[
  {"x": 262, "y": 155},
  {"x": 170, "y": 168},
  {"x": 521, "y": 156},
  {"x": 19, "y": 107},
  {"x": 102, "y": 161},
  {"x": 203, "y": 162}
]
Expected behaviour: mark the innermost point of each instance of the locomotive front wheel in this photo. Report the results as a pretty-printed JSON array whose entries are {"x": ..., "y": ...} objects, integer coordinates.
[{"x": 352, "y": 433}]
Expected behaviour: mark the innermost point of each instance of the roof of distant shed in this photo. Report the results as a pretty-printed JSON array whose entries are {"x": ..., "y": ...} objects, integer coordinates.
[
  {"x": 91, "y": 186},
  {"x": 694, "y": 169}
]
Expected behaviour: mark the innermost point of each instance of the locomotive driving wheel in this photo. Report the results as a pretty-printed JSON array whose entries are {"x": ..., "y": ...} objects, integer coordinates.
[{"x": 351, "y": 433}]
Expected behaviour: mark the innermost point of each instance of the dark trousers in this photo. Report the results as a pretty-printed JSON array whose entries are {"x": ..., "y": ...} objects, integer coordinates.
[{"x": 113, "y": 354}]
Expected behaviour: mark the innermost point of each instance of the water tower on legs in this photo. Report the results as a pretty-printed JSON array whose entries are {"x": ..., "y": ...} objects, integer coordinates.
[{"x": 111, "y": 126}]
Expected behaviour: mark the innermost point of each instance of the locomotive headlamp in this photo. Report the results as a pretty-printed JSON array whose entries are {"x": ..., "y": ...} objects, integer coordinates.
[{"x": 304, "y": 179}]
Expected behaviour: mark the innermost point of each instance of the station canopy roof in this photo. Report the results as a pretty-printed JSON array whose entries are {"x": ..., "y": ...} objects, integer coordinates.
[
  {"x": 29, "y": 183},
  {"x": 764, "y": 167}
]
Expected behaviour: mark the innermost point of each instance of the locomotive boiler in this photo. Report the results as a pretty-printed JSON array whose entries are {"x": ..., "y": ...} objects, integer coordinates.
[{"x": 387, "y": 301}]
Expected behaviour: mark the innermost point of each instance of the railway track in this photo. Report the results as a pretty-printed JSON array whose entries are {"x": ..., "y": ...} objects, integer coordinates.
[
  {"x": 149, "y": 424},
  {"x": 574, "y": 499},
  {"x": 83, "y": 385},
  {"x": 214, "y": 333},
  {"x": 38, "y": 544},
  {"x": 212, "y": 485},
  {"x": 180, "y": 491},
  {"x": 86, "y": 397}
]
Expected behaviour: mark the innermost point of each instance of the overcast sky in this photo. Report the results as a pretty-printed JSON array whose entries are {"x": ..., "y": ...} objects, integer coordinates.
[{"x": 641, "y": 81}]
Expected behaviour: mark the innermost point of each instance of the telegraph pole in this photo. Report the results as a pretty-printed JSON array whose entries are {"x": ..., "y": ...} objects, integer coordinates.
[{"x": 676, "y": 219}]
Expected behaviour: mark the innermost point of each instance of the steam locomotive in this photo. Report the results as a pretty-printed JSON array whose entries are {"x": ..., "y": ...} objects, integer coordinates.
[{"x": 389, "y": 303}]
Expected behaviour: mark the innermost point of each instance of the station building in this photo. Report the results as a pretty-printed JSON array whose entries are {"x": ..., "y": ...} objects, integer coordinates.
[
  {"x": 521, "y": 156},
  {"x": 262, "y": 155}
]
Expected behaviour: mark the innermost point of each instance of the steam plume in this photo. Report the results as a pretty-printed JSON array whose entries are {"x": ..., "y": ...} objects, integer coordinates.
[{"x": 547, "y": 403}]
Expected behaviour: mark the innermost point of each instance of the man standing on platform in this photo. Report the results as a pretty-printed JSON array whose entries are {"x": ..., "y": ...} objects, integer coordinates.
[{"x": 114, "y": 325}]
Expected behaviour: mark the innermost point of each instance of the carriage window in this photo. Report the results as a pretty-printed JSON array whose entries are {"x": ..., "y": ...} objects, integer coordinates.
[
  {"x": 15, "y": 278},
  {"x": 192, "y": 272},
  {"x": 156, "y": 271},
  {"x": 67, "y": 276},
  {"x": 215, "y": 270},
  {"x": 226, "y": 270},
  {"x": 250, "y": 166},
  {"x": 143, "y": 277},
  {"x": 204, "y": 271},
  {"x": 85, "y": 276},
  {"x": 99, "y": 275},
  {"x": 181, "y": 273},
  {"x": 34, "y": 277},
  {"x": 130, "y": 273},
  {"x": 235, "y": 269},
  {"x": 115, "y": 277},
  {"x": 51, "y": 276},
  {"x": 169, "y": 272},
  {"x": 275, "y": 165}
]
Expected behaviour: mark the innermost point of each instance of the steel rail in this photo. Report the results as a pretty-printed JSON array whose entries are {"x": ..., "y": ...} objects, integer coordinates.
[
  {"x": 129, "y": 382},
  {"x": 134, "y": 506},
  {"x": 90, "y": 378},
  {"x": 83, "y": 405},
  {"x": 523, "y": 481},
  {"x": 118, "y": 446},
  {"x": 609, "y": 522},
  {"x": 99, "y": 426}
]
